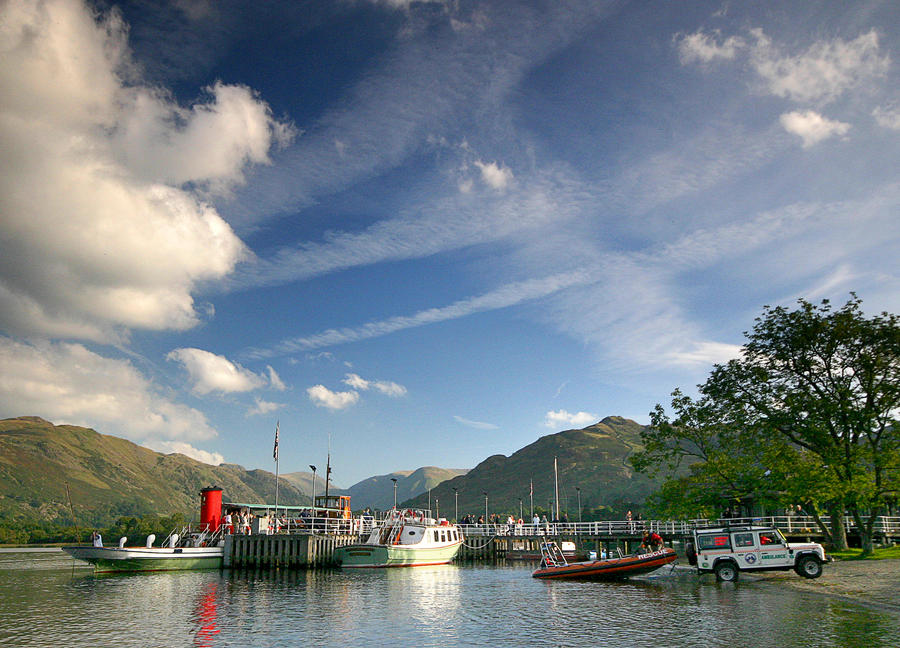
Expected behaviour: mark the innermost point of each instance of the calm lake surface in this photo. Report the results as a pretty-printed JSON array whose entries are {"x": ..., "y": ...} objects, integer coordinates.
[{"x": 46, "y": 599}]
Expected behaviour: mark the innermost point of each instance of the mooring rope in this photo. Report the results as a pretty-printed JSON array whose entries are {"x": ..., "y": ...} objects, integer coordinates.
[{"x": 487, "y": 542}]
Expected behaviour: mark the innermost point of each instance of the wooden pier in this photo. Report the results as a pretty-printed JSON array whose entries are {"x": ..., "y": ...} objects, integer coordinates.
[
  {"x": 294, "y": 551},
  {"x": 492, "y": 543}
]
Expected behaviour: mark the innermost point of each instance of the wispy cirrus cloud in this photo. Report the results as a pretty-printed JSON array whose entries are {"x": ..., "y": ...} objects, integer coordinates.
[
  {"x": 478, "y": 425},
  {"x": 509, "y": 295},
  {"x": 394, "y": 108}
]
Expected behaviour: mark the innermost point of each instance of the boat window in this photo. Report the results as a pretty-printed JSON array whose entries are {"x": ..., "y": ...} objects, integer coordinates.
[
  {"x": 435, "y": 535},
  {"x": 443, "y": 537}
]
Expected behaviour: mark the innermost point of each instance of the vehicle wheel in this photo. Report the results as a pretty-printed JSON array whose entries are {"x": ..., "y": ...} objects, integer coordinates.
[
  {"x": 809, "y": 567},
  {"x": 726, "y": 571}
]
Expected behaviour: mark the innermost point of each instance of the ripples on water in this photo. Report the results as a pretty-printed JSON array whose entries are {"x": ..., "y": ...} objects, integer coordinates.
[{"x": 46, "y": 599}]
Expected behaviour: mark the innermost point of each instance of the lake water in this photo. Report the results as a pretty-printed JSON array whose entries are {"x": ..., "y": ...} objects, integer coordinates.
[{"x": 48, "y": 600}]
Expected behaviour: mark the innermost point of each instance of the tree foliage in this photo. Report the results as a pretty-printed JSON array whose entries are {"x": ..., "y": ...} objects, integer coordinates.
[{"x": 807, "y": 413}]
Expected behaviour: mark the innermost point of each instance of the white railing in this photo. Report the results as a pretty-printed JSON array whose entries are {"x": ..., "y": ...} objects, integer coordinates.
[
  {"x": 791, "y": 524},
  {"x": 363, "y": 525}
]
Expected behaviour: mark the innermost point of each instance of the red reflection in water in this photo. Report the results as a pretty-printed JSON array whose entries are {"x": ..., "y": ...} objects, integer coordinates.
[{"x": 206, "y": 617}]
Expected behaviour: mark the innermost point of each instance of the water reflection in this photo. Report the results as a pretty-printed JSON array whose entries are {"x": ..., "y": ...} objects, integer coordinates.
[
  {"x": 49, "y": 604},
  {"x": 205, "y": 616}
]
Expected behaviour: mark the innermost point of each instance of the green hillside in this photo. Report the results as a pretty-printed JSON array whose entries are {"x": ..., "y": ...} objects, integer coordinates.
[
  {"x": 109, "y": 477},
  {"x": 378, "y": 492},
  {"x": 593, "y": 459}
]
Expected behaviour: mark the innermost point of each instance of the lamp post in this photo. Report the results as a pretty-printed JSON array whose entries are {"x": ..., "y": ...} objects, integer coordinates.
[
  {"x": 485, "y": 508},
  {"x": 394, "y": 479},
  {"x": 520, "y": 508},
  {"x": 313, "y": 468},
  {"x": 455, "y": 505},
  {"x": 437, "y": 508},
  {"x": 578, "y": 490}
]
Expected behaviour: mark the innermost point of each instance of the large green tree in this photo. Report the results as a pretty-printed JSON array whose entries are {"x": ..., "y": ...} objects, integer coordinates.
[{"x": 806, "y": 412}]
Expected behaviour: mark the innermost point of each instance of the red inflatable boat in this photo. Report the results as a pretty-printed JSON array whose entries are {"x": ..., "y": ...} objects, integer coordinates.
[{"x": 554, "y": 565}]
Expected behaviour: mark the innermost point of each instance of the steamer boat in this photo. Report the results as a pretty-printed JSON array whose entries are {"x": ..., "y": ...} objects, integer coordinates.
[
  {"x": 190, "y": 549},
  {"x": 554, "y": 564},
  {"x": 407, "y": 538}
]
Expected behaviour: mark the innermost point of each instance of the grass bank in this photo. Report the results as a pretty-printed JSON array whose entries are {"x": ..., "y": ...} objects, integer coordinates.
[{"x": 880, "y": 553}]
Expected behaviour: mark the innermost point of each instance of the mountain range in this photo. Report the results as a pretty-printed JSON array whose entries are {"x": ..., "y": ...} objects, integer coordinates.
[
  {"x": 592, "y": 468},
  {"x": 54, "y": 472}
]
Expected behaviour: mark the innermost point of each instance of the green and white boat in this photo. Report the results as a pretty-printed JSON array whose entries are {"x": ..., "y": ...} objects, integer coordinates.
[
  {"x": 408, "y": 538},
  {"x": 175, "y": 555}
]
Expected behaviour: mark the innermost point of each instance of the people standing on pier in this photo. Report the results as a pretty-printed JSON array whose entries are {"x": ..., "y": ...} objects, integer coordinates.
[{"x": 227, "y": 523}]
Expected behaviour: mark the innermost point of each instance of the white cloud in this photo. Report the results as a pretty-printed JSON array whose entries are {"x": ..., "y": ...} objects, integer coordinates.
[
  {"x": 275, "y": 380},
  {"x": 495, "y": 176},
  {"x": 210, "y": 372},
  {"x": 703, "y": 48},
  {"x": 478, "y": 425},
  {"x": 385, "y": 387},
  {"x": 321, "y": 396},
  {"x": 812, "y": 127},
  {"x": 168, "y": 447},
  {"x": 887, "y": 117},
  {"x": 823, "y": 72},
  {"x": 99, "y": 233},
  {"x": 67, "y": 383},
  {"x": 262, "y": 407},
  {"x": 564, "y": 418}
]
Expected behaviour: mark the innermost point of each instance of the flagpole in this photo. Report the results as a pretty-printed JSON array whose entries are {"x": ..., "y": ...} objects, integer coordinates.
[{"x": 275, "y": 452}]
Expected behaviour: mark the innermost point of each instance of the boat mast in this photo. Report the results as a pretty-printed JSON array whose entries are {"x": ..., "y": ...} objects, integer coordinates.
[
  {"x": 328, "y": 467},
  {"x": 275, "y": 453},
  {"x": 556, "y": 487}
]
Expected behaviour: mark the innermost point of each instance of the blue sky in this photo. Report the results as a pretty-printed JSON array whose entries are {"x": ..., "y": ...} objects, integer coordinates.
[{"x": 427, "y": 231}]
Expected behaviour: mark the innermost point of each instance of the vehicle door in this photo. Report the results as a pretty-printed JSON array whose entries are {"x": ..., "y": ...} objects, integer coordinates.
[
  {"x": 773, "y": 551},
  {"x": 746, "y": 549}
]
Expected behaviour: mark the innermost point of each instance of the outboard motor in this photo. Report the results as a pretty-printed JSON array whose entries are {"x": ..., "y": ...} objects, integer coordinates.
[
  {"x": 150, "y": 540},
  {"x": 122, "y": 542}
]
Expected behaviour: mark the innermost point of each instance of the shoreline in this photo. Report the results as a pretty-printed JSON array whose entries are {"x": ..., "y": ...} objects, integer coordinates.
[{"x": 873, "y": 583}]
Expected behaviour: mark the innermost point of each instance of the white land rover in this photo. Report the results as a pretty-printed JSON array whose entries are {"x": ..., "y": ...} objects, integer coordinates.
[{"x": 727, "y": 551}]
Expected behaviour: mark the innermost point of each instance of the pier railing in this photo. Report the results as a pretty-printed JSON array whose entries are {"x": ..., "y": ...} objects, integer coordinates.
[
  {"x": 885, "y": 526},
  {"x": 789, "y": 524}
]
